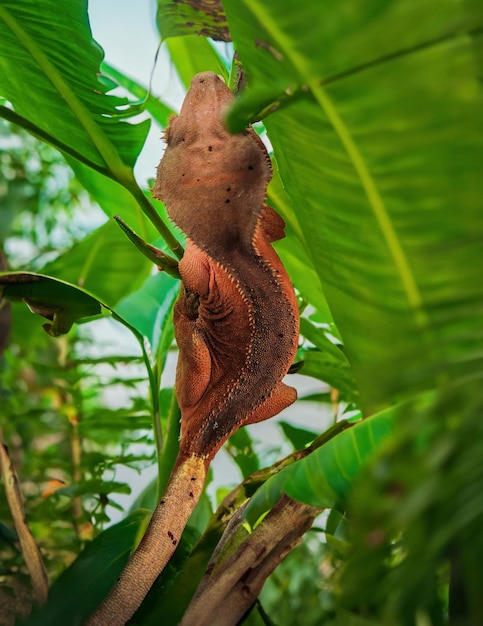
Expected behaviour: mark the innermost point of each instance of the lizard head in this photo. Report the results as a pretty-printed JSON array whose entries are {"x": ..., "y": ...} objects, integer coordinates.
[
  {"x": 207, "y": 99},
  {"x": 202, "y": 111},
  {"x": 212, "y": 182}
]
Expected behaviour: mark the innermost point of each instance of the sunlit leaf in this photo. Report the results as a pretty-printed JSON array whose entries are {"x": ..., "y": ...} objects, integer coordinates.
[
  {"x": 390, "y": 94},
  {"x": 62, "y": 71},
  {"x": 326, "y": 475}
]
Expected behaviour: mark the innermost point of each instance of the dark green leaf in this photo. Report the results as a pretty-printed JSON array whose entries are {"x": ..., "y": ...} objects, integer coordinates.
[
  {"x": 55, "y": 300},
  {"x": 94, "y": 487},
  {"x": 298, "y": 437},
  {"x": 192, "y": 17},
  {"x": 83, "y": 585},
  {"x": 240, "y": 447},
  {"x": 367, "y": 157}
]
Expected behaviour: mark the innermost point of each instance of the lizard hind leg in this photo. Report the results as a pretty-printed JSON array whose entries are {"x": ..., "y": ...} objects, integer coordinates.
[
  {"x": 281, "y": 397},
  {"x": 194, "y": 363}
]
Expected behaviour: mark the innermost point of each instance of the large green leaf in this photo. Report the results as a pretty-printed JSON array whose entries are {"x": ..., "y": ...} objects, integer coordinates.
[
  {"x": 379, "y": 149},
  {"x": 326, "y": 475},
  {"x": 83, "y": 585},
  {"x": 53, "y": 53},
  {"x": 49, "y": 68}
]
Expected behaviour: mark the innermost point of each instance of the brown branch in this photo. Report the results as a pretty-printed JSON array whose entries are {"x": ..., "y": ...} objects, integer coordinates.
[
  {"x": 242, "y": 562},
  {"x": 157, "y": 546},
  {"x": 30, "y": 550}
]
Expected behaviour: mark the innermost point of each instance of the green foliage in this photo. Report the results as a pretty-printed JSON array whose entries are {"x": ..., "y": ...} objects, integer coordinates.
[
  {"x": 326, "y": 475},
  {"x": 418, "y": 530},
  {"x": 59, "y": 302},
  {"x": 374, "y": 114},
  {"x": 70, "y": 106},
  {"x": 91, "y": 575},
  {"x": 293, "y": 589},
  {"x": 375, "y": 195}
]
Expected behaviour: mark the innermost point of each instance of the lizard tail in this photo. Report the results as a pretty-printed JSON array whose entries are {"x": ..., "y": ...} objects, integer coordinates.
[{"x": 157, "y": 546}]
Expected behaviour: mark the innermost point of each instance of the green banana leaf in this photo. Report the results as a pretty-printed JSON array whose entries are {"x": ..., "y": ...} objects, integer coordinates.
[
  {"x": 378, "y": 140},
  {"x": 56, "y": 300},
  {"x": 50, "y": 63},
  {"x": 83, "y": 585},
  {"x": 325, "y": 476}
]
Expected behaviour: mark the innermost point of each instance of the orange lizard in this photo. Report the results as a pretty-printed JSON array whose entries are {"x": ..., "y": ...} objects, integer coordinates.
[{"x": 236, "y": 319}]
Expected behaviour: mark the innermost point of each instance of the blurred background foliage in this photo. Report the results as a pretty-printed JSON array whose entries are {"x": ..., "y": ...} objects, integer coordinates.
[{"x": 374, "y": 114}]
